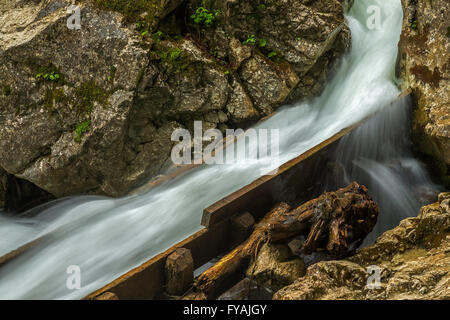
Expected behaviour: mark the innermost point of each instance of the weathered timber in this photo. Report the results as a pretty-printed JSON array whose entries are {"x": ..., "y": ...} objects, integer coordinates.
[
  {"x": 332, "y": 222},
  {"x": 179, "y": 271}
]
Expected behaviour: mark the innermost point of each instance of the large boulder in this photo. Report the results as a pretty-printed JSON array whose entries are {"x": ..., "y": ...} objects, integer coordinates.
[
  {"x": 92, "y": 111},
  {"x": 424, "y": 68},
  {"x": 413, "y": 258}
]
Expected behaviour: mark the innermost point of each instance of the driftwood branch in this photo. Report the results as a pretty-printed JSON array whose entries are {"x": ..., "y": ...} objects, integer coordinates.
[{"x": 332, "y": 223}]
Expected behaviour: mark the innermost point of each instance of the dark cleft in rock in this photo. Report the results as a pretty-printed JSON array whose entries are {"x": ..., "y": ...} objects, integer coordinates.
[{"x": 19, "y": 195}]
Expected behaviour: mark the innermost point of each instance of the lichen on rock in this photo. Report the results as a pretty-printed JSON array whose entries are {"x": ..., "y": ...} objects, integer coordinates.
[{"x": 424, "y": 68}]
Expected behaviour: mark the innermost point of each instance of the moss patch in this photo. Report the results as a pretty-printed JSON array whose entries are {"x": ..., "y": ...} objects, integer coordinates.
[
  {"x": 52, "y": 96},
  {"x": 87, "y": 94},
  {"x": 81, "y": 130},
  {"x": 173, "y": 58}
]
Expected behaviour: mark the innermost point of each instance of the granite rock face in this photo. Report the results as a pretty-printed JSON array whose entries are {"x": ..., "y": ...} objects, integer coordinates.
[
  {"x": 414, "y": 260},
  {"x": 424, "y": 67},
  {"x": 92, "y": 111}
]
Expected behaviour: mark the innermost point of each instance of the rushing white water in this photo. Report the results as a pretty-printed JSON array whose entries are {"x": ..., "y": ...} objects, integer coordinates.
[
  {"x": 107, "y": 237},
  {"x": 378, "y": 155}
]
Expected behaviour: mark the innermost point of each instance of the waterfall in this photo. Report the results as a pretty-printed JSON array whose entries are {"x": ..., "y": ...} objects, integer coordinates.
[
  {"x": 378, "y": 154},
  {"x": 107, "y": 237}
]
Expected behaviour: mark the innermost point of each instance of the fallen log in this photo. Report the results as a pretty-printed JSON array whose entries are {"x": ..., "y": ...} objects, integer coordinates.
[{"x": 335, "y": 223}]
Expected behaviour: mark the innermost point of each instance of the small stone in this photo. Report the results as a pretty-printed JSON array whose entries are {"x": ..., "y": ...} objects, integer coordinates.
[{"x": 295, "y": 245}]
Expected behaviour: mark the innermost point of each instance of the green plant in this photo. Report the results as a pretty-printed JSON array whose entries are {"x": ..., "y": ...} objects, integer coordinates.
[
  {"x": 203, "y": 16},
  {"x": 172, "y": 58},
  {"x": 262, "y": 43},
  {"x": 251, "y": 40},
  {"x": 262, "y": 7},
  {"x": 272, "y": 54},
  {"x": 171, "y": 54},
  {"x": 139, "y": 25},
  {"x": 51, "y": 76},
  {"x": 157, "y": 36},
  {"x": 414, "y": 24},
  {"x": 81, "y": 130},
  {"x": 252, "y": 16}
]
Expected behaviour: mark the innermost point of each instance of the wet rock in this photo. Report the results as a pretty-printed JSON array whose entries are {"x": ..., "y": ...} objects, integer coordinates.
[
  {"x": 413, "y": 259},
  {"x": 240, "y": 105},
  {"x": 267, "y": 88},
  {"x": 424, "y": 67},
  {"x": 97, "y": 68},
  {"x": 238, "y": 53},
  {"x": 103, "y": 126},
  {"x": 276, "y": 267}
]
